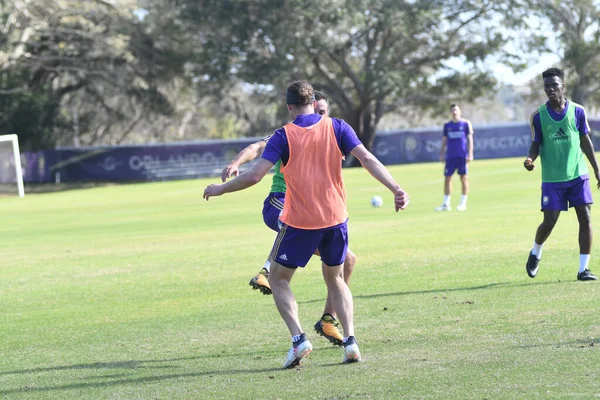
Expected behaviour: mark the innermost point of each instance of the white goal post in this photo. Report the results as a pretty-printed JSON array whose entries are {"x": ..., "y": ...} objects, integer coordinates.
[{"x": 10, "y": 165}]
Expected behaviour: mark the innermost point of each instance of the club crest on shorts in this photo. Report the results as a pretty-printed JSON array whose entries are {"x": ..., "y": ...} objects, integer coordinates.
[{"x": 545, "y": 200}]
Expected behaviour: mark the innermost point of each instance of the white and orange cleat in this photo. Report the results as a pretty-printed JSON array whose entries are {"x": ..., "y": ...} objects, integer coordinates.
[
  {"x": 297, "y": 353},
  {"x": 351, "y": 351}
]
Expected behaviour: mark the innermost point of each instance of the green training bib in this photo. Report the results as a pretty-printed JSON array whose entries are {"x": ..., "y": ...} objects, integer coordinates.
[
  {"x": 278, "y": 184},
  {"x": 560, "y": 154}
]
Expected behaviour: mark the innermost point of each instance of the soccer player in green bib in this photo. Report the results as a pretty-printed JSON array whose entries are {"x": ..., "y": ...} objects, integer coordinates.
[{"x": 560, "y": 137}]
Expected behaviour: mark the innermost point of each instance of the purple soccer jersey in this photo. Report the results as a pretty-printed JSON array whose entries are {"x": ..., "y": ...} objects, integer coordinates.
[
  {"x": 277, "y": 146},
  {"x": 456, "y": 133}
]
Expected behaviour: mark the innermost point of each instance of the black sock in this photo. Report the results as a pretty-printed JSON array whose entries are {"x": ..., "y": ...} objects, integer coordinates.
[
  {"x": 349, "y": 341},
  {"x": 301, "y": 338}
]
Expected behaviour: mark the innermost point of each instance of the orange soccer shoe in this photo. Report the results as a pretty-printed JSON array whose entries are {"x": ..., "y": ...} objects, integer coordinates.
[
  {"x": 328, "y": 327},
  {"x": 261, "y": 282}
]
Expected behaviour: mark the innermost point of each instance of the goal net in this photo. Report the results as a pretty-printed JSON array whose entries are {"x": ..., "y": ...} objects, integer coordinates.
[{"x": 11, "y": 175}]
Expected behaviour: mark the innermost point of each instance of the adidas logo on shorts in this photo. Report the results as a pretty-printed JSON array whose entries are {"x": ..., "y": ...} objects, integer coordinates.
[{"x": 283, "y": 257}]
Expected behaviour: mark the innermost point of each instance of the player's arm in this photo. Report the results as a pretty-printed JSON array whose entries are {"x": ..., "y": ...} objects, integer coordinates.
[
  {"x": 380, "y": 172},
  {"x": 585, "y": 141},
  {"x": 536, "y": 141},
  {"x": 532, "y": 154},
  {"x": 243, "y": 181},
  {"x": 246, "y": 155},
  {"x": 587, "y": 146},
  {"x": 470, "y": 142},
  {"x": 443, "y": 148}
]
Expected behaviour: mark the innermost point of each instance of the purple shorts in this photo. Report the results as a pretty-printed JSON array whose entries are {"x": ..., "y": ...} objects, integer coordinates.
[
  {"x": 454, "y": 164},
  {"x": 272, "y": 208},
  {"x": 556, "y": 196},
  {"x": 294, "y": 247}
]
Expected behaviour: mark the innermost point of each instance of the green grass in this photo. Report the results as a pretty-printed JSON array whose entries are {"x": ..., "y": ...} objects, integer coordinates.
[{"x": 141, "y": 292}]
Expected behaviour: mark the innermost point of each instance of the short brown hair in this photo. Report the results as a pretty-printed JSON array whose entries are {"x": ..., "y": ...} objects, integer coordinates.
[{"x": 300, "y": 93}]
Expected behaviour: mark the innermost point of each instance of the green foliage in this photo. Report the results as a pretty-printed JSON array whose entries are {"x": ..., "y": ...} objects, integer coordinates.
[
  {"x": 370, "y": 56},
  {"x": 575, "y": 29},
  {"x": 91, "y": 62},
  {"x": 33, "y": 116}
]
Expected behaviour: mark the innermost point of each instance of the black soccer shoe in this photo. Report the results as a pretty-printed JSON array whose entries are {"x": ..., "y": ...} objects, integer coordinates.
[
  {"x": 586, "y": 275},
  {"x": 532, "y": 265}
]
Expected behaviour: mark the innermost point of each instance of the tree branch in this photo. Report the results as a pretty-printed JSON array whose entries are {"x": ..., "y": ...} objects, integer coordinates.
[
  {"x": 341, "y": 94},
  {"x": 341, "y": 62}
]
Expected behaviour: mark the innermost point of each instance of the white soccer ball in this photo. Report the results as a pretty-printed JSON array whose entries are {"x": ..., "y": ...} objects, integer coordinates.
[{"x": 376, "y": 201}]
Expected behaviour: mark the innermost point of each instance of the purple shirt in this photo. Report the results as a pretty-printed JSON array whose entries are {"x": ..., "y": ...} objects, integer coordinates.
[
  {"x": 278, "y": 148},
  {"x": 457, "y": 133},
  {"x": 581, "y": 122}
]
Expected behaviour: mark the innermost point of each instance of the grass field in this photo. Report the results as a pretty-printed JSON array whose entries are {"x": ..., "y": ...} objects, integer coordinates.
[{"x": 141, "y": 292}]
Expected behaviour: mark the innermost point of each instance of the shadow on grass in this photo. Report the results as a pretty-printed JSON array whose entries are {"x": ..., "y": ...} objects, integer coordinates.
[
  {"x": 101, "y": 365},
  {"x": 141, "y": 379},
  {"x": 580, "y": 343},
  {"x": 462, "y": 289},
  {"x": 121, "y": 379},
  {"x": 137, "y": 364}
]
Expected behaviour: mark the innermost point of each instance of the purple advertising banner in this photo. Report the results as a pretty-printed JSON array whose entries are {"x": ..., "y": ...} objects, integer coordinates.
[
  {"x": 191, "y": 160},
  {"x": 494, "y": 141},
  {"x": 508, "y": 140},
  {"x": 130, "y": 163}
]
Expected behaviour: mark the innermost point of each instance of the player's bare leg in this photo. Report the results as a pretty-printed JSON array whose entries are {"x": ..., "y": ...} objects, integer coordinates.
[
  {"x": 547, "y": 225},
  {"x": 584, "y": 216},
  {"x": 327, "y": 326},
  {"x": 542, "y": 233},
  {"x": 341, "y": 298},
  {"x": 447, "y": 185},
  {"x": 447, "y": 193},
  {"x": 279, "y": 279},
  {"x": 464, "y": 181}
]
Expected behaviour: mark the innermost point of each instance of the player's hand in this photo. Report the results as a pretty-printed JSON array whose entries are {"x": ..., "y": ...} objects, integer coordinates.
[
  {"x": 597, "y": 174},
  {"x": 469, "y": 159},
  {"x": 230, "y": 170},
  {"x": 442, "y": 158},
  {"x": 401, "y": 199},
  {"x": 212, "y": 190},
  {"x": 528, "y": 164}
]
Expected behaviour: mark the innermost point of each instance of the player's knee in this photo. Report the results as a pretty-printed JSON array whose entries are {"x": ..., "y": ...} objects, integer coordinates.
[
  {"x": 350, "y": 261},
  {"x": 584, "y": 214}
]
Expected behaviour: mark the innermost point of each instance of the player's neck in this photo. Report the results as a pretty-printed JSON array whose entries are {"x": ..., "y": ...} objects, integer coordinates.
[
  {"x": 307, "y": 110},
  {"x": 455, "y": 119},
  {"x": 558, "y": 104}
]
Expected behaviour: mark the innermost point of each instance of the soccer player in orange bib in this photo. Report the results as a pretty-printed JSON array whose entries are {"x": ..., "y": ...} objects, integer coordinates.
[
  {"x": 327, "y": 325},
  {"x": 314, "y": 215}
]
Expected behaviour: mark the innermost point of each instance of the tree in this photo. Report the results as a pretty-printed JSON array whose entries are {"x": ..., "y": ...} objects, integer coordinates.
[
  {"x": 372, "y": 57},
  {"x": 572, "y": 31},
  {"x": 88, "y": 66}
]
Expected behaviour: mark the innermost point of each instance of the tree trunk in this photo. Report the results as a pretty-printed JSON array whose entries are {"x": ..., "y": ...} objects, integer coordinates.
[
  {"x": 579, "y": 92},
  {"x": 364, "y": 126}
]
